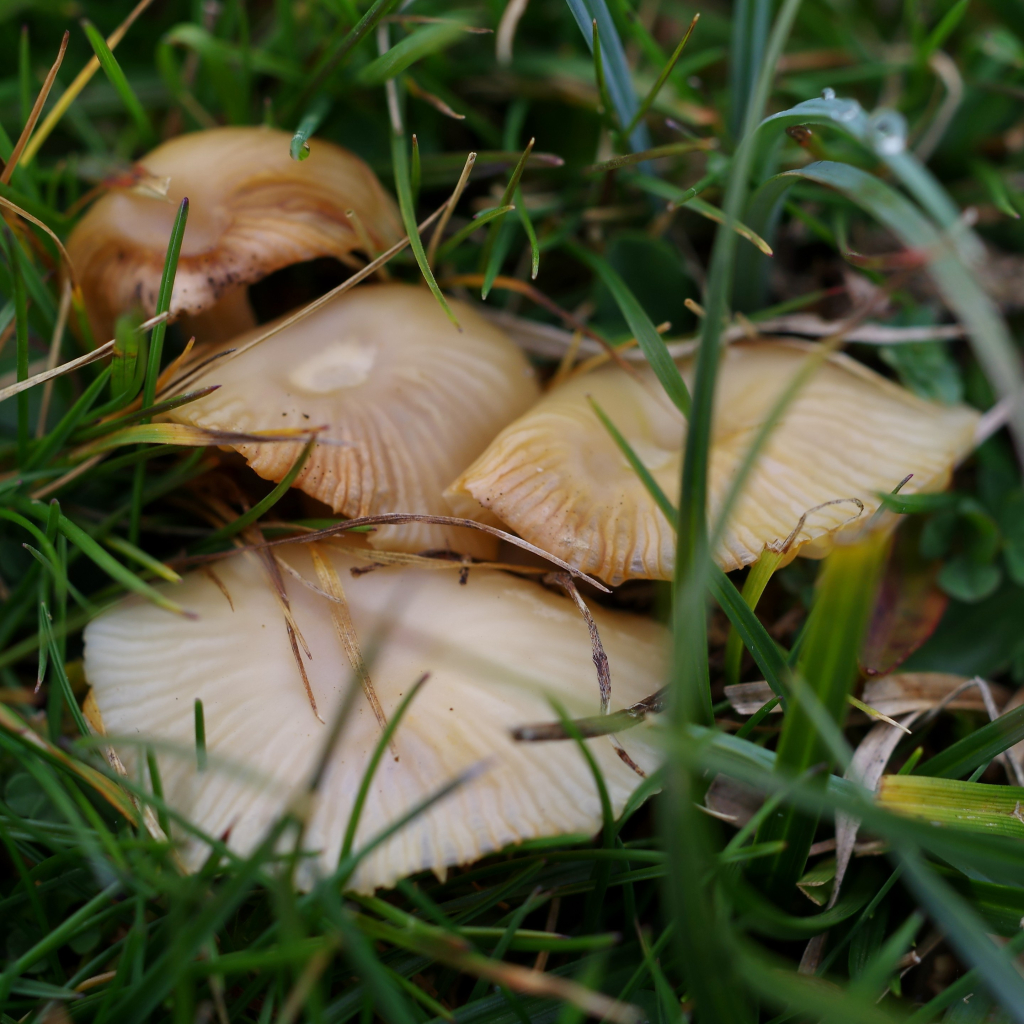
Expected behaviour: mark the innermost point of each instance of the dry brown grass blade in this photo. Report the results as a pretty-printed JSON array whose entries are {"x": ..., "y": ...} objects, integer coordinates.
[
  {"x": 33, "y": 117},
  {"x": 342, "y": 618},
  {"x": 399, "y": 518},
  {"x": 71, "y": 474},
  {"x": 219, "y": 584},
  {"x": 376, "y": 559},
  {"x": 417, "y": 90},
  {"x": 295, "y": 637},
  {"x": 604, "y": 675},
  {"x": 221, "y": 514},
  {"x": 24, "y": 214},
  {"x": 449, "y": 208}
]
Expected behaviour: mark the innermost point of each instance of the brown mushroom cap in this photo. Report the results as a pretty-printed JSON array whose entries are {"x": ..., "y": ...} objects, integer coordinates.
[
  {"x": 558, "y": 479},
  {"x": 252, "y": 210},
  {"x": 407, "y": 400}
]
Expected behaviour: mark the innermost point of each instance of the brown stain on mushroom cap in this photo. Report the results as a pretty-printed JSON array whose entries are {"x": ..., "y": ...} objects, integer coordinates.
[
  {"x": 556, "y": 477},
  {"x": 252, "y": 210},
  {"x": 407, "y": 400}
]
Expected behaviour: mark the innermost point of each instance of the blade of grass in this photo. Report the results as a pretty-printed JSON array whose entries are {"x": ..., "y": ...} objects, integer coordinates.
[
  {"x": 757, "y": 579},
  {"x": 311, "y": 120},
  {"x": 650, "y": 341},
  {"x": 449, "y": 209},
  {"x": 828, "y": 663},
  {"x": 652, "y": 95},
  {"x": 264, "y": 505},
  {"x": 482, "y": 218},
  {"x": 113, "y": 568},
  {"x": 753, "y": 634},
  {"x": 613, "y": 60},
  {"x": 156, "y": 349},
  {"x": 966, "y": 932},
  {"x": 383, "y": 742},
  {"x": 703, "y": 937},
  {"x": 406, "y": 205},
  {"x": 977, "y": 748},
  {"x": 117, "y": 78},
  {"x": 491, "y": 255},
  {"x": 414, "y": 47}
]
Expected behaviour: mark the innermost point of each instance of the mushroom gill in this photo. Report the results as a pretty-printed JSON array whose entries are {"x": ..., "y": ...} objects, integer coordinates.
[
  {"x": 252, "y": 210},
  {"x": 557, "y": 478},
  {"x": 496, "y": 649},
  {"x": 406, "y": 400}
]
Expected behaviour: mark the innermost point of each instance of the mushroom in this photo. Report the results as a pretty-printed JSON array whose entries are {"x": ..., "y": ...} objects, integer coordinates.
[
  {"x": 253, "y": 210},
  {"x": 495, "y": 650},
  {"x": 405, "y": 399},
  {"x": 557, "y": 478}
]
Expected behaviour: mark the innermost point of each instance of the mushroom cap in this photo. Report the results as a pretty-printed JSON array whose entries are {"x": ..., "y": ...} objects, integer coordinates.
[
  {"x": 408, "y": 401},
  {"x": 557, "y": 478},
  {"x": 494, "y": 649},
  {"x": 252, "y": 210}
]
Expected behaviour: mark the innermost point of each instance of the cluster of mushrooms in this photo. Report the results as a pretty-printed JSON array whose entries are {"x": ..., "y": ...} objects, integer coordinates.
[{"x": 413, "y": 415}]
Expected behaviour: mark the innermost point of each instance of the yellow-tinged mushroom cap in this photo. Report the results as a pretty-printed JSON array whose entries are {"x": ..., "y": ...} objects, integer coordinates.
[
  {"x": 252, "y": 210},
  {"x": 494, "y": 648},
  {"x": 407, "y": 400},
  {"x": 557, "y": 478}
]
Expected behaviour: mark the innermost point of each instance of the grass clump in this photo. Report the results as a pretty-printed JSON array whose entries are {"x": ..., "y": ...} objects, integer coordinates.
[{"x": 621, "y": 179}]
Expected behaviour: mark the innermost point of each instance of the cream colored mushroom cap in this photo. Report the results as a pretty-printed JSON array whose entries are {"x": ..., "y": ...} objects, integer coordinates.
[
  {"x": 408, "y": 401},
  {"x": 556, "y": 477},
  {"x": 494, "y": 648},
  {"x": 252, "y": 210}
]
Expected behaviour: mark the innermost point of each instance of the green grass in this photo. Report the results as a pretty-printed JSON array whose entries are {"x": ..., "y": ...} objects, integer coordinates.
[{"x": 673, "y": 914}]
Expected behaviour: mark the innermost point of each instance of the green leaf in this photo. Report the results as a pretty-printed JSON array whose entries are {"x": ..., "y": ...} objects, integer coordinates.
[
  {"x": 969, "y": 580},
  {"x": 927, "y": 368}
]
